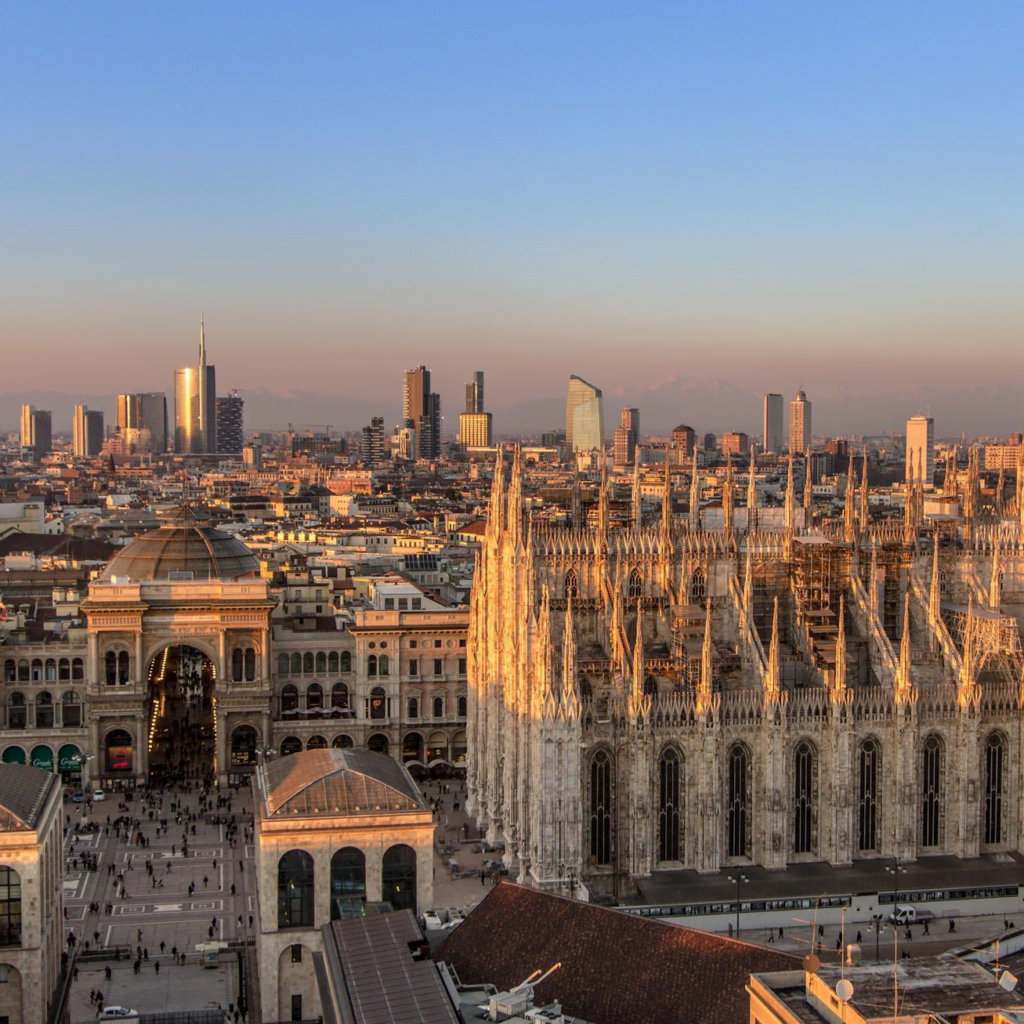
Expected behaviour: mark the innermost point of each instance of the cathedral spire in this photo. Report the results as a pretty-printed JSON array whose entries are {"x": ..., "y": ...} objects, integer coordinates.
[
  {"x": 968, "y": 692},
  {"x": 865, "y": 508},
  {"x": 790, "y": 509},
  {"x": 808, "y": 488},
  {"x": 752, "y": 496},
  {"x": 772, "y": 680},
  {"x": 638, "y": 501},
  {"x": 568, "y": 655},
  {"x": 602, "y": 501},
  {"x": 496, "y": 515},
  {"x": 1000, "y": 487},
  {"x": 694, "y": 493},
  {"x": 838, "y": 688},
  {"x": 906, "y": 693},
  {"x": 995, "y": 586},
  {"x": 705, "y": 686},
  {"x": 748, "y": 587},
  {"x": 935, "y": 587},
  {"x": 666, "y": 497},
  {"x": 576, "y": 498},
  {"x": 514, "y": 511},
  {"x": 849, "y": 528},
  {"x": 638, "y": 654},
  {"x": 727, "y": 496}
]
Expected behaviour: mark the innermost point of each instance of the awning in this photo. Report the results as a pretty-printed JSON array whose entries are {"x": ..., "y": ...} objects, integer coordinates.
[
  {"x": 42, "y": 757},
  {"x": 13, "y": 755},
  {"x": 69, "y": 758}
]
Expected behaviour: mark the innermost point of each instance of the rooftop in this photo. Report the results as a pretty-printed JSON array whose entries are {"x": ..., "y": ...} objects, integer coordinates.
[{"x": 23, "y": 794}]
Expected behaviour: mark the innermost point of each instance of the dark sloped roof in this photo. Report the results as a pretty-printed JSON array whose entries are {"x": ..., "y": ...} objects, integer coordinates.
[
  {"x": 616, "y": 968},
  {"x": 23, "y": 794},
  {"x": 333, "y": 781},
  {"x": 383, "y": 982},
  {"x": 56, "y": 545},
  {"x": 184, "y": 544}
]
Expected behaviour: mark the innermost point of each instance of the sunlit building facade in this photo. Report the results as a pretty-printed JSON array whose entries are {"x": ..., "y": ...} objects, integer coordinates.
[{"x": 584, "y": 417}]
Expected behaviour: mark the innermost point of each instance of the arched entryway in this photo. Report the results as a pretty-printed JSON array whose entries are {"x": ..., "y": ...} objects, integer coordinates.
[
  {"x": 399, "y": 877},
  {"x": 378, "y": 743},
  {"x": 181, "y": 727},
  {"x": 412, "y": 748},
  {"x": 118, "y": 754},
  {"x": 243, "y": 747}
]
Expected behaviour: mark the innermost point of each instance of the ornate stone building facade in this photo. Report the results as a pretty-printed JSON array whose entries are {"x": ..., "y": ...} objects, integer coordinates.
[{"x": 647, "y": 697}]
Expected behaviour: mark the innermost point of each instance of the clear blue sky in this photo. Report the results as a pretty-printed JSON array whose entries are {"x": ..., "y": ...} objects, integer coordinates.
[{"x": 763, "y": 192}]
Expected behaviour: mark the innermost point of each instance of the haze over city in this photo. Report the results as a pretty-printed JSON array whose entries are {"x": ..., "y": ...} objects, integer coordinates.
[{"x": 758, "y": 196}]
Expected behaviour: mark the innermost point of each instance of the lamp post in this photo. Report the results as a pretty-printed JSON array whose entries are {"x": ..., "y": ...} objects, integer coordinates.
[
  {"x": 877, "y": 919},
  {"x": 895, "y": 869},
  {"x": 739, "y": 878}
]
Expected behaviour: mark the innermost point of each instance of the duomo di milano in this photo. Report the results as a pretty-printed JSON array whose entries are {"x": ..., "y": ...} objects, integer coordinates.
[{"x": 748, "y": 687}]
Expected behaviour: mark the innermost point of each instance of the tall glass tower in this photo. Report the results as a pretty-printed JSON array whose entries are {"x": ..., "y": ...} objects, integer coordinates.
[
  {"x": 584, "y": 416},
  {"x": 195, "y": 410}
]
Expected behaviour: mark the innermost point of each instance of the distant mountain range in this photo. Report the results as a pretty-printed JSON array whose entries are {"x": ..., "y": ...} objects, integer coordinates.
[{"x": 714, "y": 405}]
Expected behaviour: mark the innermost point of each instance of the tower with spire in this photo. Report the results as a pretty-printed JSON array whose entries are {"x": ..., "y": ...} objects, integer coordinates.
[{"x": 195, "y": 404}]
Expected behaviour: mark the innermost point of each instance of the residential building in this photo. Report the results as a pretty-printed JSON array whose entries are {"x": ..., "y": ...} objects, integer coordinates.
[
  {"x": 684, "y": 440},
  {"x": 421, "y": 410},
  {"x": 735, "y": 442},
  {"x": 771, "y": 437},
  {"x": 626, "y": 436},
  {"x": 921, "y": 450},
  {"x": 86, "y": 432},
  {"x": 372, "y": 442},
  {"x": 799, "y": 423},
  {"x": 584, "y": 417},
  {"x": 230, "y": 430}
]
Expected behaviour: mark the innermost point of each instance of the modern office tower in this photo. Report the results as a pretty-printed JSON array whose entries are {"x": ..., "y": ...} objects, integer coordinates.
[
  {"x": 142, "y": 421},
  {"x": 799, "y": 423},
  {"x": 36, "y": 432},
  {"x": 626, "y": 436},
  {"x": 735, "y": 442},
  {"x": 195, "y": 390},
  {"x": 475, "y": 430},
  {"x": 372, "y": 446},
  {"x": 584, "y": 416},
  {"x": 86, "y": 432},
  {"x": 709, "y": 443},
  {"x": 684, "y": 439},
  {"x": 772, "y": 435},
  {"x": 421, "y": 410},
  {"x": 230, "y": 433},
  {"x": 475, "y": 392},
  {"x": 921, "y": 449}
]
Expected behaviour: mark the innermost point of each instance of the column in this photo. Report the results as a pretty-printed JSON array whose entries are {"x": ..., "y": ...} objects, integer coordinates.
[
  {"x": 222, "y": 746},
  {"x": 322, "y": 886},
  {"x": 374, "y": 873},
  {"x": 142, "y": 747},
  {"x": 140, "y": 671},
  {"x": 265, "y": 656},
  {"x": 222, "y": 655}
]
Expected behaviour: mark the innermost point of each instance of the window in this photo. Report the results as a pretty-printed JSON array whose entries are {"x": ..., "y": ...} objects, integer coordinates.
[
  {"x": 23, "y": 670},
  {"x": 738, "y": 811},
  {"x": 378, "y": 702},
  {"x": 462, "y": 666},
  {"x": 296, "y": 665},
  {"x": 250, "y": 664},
  {"x": 10, "y": 907},
  {"x": 600, "y": 809},
  {"x": 339, "y": 696},
  {"x": 77, "y": 669},
  {"x": 868, "y": 803},
  {"x": 398, "y": 878},
  {"x": 297, "y": 953},
  {"x": 439, "y": 666},
  {"x": 111, "y": 668},
  {"x": 348, "y": 880},
  {"x": 384, "y": 664},
  {"x": 296, "y": 1006},
  {"x": 236, "y": 665},
  {"x": 389, "y": 604},
  {"x": 413, "y": 644},
  {"x": 314, "y": 697},
  {"x": 123, "y": 672},
  {"x": 64, "y": 670},
  {"x": 346, "y": 661},
  {"x": 321, "y": 662},
  {"x": 931, "y": 810},
  {"x": 289, "y": 698},
  {"x": 71, "y": 710},
  {"x": 37, "y": 670},
  {"x": 332, "y": 662},
  {"x": 17, "y": 711},
  {"x": 413, "y": 708},
  {"x": 10, "y": 671},
  {"x": 805, "y": 780},
  {"x": 437, "y": 643},
  {"x": 282, "y": 664},
  {"x": 462, "y": 709},
  {"x": 295, "y": 890},
  {"x": 995, "y": 758},
  {"x": 669, "y": 832},
  {"x": 371, "y": 665},
  {"x": 414, "y": 666},
  {"x": 417, "y": 604},
  {"x": 307, "y": 663},
  {"x": 44, "y": 710},
  {"x": 572, "y": 585},
  {"x": 635, "y": 588},
  {"x": 698, "y": 586},
  {"x": 50, "y": 671},
  {"x": 439, "y": 707}
]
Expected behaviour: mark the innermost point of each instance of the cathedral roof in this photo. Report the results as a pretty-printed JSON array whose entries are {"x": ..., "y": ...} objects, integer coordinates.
[
  {"x": 185, "y": 547},
  {"x": 615, "y": 968},
  {"x": 333, "y": 782},
  {"x": 23, "y": 794}
]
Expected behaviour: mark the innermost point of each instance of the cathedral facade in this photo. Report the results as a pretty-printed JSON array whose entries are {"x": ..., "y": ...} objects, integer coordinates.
[{"x": 746, "y": 688}]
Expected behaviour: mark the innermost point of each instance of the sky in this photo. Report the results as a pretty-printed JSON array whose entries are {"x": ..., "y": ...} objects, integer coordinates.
[{"x": 767, "y": 194}]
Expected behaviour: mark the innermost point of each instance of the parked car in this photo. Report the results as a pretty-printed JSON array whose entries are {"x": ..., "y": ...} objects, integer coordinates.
[
  {"x": 97, "y": 796},
  {"x": 118, "y": 1013},
  {"x": 77, "y": 797},
  {"x": 903, "y": 914}
]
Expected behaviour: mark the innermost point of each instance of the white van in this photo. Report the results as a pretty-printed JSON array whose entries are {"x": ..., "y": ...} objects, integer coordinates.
[{"x": 903, "y": 914}]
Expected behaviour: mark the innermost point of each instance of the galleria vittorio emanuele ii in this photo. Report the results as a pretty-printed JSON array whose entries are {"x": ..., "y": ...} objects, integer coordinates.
[{"x": 746, "y": 684}]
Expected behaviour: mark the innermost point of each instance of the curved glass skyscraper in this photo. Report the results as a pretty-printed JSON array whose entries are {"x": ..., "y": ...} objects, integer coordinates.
[{"x": 584, "y": 416}]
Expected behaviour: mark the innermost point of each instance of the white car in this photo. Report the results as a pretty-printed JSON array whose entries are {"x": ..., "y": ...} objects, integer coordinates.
[
  {"x": 118, "y": 1013},
  {"x": 97, "y": 796}
]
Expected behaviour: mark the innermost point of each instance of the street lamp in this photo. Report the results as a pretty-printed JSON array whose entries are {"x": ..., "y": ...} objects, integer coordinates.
[
  {"x": 738, "y": 878},
  {"x": 895, "y": 869},
  {"x": 878, "y": 919}
]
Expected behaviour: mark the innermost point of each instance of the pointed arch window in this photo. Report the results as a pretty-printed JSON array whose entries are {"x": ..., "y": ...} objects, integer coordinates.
[
  {"x": 635, "y": 587},
  {"x": 572, "y": 585},
  {"x": 600, "y": 809},
  {"x": 931, "y": 778},
  {"x": 698, "y": 586},
  {"x": 805, "y": 811},
  {"x": 738, "y": 813},
  {"x": 867, "y": 807},
  {"x": 670, "y": 803},
  {"x": 995, "y": 759}
]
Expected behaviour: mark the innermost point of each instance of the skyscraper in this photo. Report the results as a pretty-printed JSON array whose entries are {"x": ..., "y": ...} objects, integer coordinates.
[
  {"x": 195, "y": 390},
  {"x": 230, "y": 433},
  {"x": 799, "y": 423},
  {"x": 36, "y": 432},
  {"x": 921, "y": 449},
  {"x": 772, "y": 433},
  {"x": 584, "y": 416},
  {"x": 421, "y": 410},
  {"x": 475, "y": 392},
  {"x": 372, "y": 447},
  {"x": 625, "y": 438},
  {"x": 474, "y": 423},
  {"x": 142, "y": 421},
  {"x": 86, "y": 432}
]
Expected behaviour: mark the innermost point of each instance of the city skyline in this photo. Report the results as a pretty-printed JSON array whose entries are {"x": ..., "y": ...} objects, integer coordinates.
[{"x": 708, "y": 200}]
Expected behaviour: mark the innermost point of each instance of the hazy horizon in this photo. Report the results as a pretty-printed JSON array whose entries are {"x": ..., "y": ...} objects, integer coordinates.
[{"x": 765, "y": 196}]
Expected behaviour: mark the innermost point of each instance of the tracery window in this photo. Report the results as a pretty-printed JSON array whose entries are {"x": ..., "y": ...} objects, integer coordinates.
[
  {"x": 995, "y": 758},
  {"x": 738, "y": 814},
  {"x": 635, "y": 587},
  {"x": 572, "y": 585},
  {"x": 600, "y": 809},
  {"x": 698, "y": 586},
  {"x": 867, "y": 815},
  {"x": 805, "y": 790},
  {"x": 669, "y": 818},
  {"x": 931, "y": 778}
]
